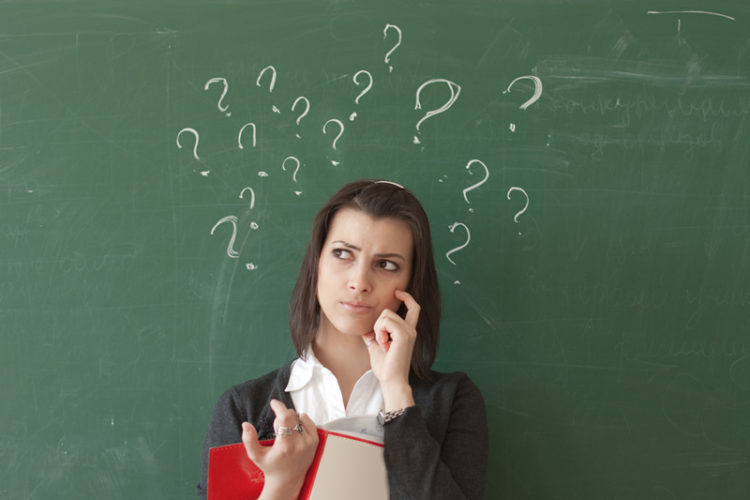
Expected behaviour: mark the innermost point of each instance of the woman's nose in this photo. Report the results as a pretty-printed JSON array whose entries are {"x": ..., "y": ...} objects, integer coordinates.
[{"x": 359, "y": 279}]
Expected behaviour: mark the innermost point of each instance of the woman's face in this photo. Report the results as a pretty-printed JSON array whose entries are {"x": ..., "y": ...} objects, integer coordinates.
[{"x": 362, "y": 262}]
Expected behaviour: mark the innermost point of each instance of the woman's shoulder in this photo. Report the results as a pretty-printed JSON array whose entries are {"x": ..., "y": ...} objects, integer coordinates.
[
  {"x": 444, "y": 383},
  {"x": 249, "y": 401},
  {"x": 440, "y": 377},
  {"x": 260, "y": 387},
  {"x": 256, "y": 392}
]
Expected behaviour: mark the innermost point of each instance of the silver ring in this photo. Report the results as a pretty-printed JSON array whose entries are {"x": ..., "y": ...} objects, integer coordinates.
[{"x": 288, "y": 431}]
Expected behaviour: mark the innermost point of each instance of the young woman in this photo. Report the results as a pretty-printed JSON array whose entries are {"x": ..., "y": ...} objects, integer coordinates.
[{"x": 364, "y": 318}]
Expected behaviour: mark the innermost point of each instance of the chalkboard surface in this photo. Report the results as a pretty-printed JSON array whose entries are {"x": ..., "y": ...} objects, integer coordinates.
[{"x": 586, "y": 168}]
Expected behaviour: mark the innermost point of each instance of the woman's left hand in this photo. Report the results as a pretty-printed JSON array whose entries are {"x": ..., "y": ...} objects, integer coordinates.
[{"x": 390, "y": 345}]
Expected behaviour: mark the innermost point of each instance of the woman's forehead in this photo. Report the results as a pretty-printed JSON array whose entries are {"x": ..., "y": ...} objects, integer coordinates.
[{"x": 378, "y": 234}]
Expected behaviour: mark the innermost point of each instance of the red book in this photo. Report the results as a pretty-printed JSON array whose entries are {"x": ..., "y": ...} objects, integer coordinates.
[{"x": 345, "y": 466}]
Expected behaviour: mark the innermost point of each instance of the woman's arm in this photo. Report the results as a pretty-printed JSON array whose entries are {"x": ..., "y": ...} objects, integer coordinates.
[{"x": 439, "y": 448}]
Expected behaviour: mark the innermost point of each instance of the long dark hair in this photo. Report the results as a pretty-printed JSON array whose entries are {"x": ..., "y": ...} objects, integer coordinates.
[{"x": 377, "y": 199}]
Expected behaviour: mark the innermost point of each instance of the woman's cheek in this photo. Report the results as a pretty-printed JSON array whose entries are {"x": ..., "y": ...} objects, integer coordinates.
[{"x": 394, "y": 305}]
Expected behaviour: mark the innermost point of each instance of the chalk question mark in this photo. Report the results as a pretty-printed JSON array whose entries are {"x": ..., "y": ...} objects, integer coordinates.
[
  {"x": 474, "y": 186},
  {"x": 253, "y": 225},
  {"x": 304, "y": 113},
  {"x": 223, "y": 81},
  {"x": 197, "y": 138},
  {"x": 271, "y": 85},
  {"x": 231, "y": 252},
  {"x": 385, "y": 35},
  {"x": 294, "y": 175},
  {"x": 534, "y": 98},
  {"x": 252, "y": 195},
  {"x": 367, "y": 89},
  {"x": 518, "y": 214},
  {"x": 273, "y": 77},
  {"x": 341, "y": 131},
  {"x": 453, "y": 227},
  {"x": 455, "y": 92},
  {"x": 239, "y": 136}
]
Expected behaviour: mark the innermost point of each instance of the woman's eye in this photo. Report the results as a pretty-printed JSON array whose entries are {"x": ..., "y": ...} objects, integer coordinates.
[
  {"x": 388, "y": 265},
  {"x": 341, "y": 253}
]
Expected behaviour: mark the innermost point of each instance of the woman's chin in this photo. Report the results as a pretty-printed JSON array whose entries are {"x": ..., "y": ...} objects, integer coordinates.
[{"x": 355, "y": 329}]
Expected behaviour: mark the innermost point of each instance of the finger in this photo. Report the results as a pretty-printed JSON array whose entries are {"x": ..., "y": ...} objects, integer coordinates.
[
  {"x": 278, "y": 407},
  {"x": 373, "y": 348},
  {"x": 393, "y": 326},
  {"x": 309, "y": 428},
  {"x": 250, "y": 439},
  {"x": 284, "y": 415},
  {"x": 412, "y": 307},
  {"x": 369, "y": 339},
  {"x": 381, "y": 332}
]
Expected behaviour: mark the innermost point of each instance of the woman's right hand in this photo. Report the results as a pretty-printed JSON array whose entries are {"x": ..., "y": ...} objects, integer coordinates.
[{"x": 285, "y": 463}]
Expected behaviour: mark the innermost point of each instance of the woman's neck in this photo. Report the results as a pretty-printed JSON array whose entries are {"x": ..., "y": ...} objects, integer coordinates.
[{"x": 345, "y": 355}]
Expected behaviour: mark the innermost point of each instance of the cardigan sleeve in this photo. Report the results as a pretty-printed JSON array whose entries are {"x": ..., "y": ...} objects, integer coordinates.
[
  {"x": 225, "y": 428},
  {"x": 440, "y": 451}
]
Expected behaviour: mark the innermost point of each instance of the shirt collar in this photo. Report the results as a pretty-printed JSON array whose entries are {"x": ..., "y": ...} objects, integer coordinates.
[{"x": 302, "y": 371}]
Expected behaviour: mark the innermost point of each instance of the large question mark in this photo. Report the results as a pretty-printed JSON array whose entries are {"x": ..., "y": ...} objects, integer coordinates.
[
  {"x": 223, "y": 93},
  {"x": 385, "y": 35},
  {"x": 367, "y": 89},
  {"x": 231, "y": 252},
  {"x": 307, "y": 109},
  {"x": 195, "y": 134},
  {"x": 466, "y": 243},
  {"x": 518, "y": 214},
  {"x": 239, "y": 137},
  {"x": 294, "y": 175},
  {"x": 455, "y": 91},
  {"x": 534, "y": 98},
  {"x": 341, "y": 131},
  {"x": 474, "y": 186}
]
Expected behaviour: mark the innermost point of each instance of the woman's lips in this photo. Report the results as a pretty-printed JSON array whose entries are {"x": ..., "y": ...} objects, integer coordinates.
[{"x": 355, "y": 307}]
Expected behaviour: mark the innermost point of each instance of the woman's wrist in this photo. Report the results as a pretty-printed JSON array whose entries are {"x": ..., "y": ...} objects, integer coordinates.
[
  {"x": 397, "y": 395},
  {"x": 279, "y": 491}
]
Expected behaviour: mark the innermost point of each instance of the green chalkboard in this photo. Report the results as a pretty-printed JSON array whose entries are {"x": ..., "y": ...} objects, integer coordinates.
[{"x": 586, "y": 168}]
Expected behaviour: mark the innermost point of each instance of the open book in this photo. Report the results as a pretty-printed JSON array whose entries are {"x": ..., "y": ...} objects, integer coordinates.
[{"x": 346, "y": 465}]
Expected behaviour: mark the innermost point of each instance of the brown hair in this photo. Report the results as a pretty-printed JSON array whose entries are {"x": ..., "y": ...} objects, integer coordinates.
[{"x": 377, "y": 199}]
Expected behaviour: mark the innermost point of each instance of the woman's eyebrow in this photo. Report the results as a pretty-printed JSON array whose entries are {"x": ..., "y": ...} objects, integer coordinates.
[
  {"x": 379, "y": 255},
  {"x": 347, "y": 245}
]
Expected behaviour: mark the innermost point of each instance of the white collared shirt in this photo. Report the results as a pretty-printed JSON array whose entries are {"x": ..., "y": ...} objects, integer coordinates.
[{"x": 315, "y": 392}]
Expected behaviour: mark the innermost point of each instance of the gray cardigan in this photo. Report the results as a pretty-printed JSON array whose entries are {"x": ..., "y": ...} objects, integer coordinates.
[{"x": 436, "y": 450}]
